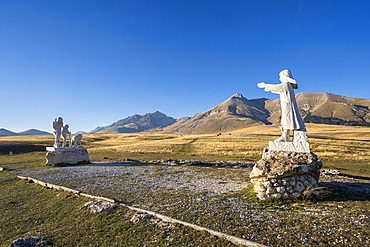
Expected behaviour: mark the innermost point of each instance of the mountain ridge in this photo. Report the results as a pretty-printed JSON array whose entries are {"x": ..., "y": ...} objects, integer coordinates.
[
  {"x": 137, "y": 123},
  {"x": 33, "y": 132},
  {"x": 238, "y": 112},
  {"x": 5, "y": 132}
]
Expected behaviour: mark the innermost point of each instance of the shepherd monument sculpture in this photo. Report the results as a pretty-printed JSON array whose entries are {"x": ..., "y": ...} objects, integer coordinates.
[
  {"x": 287, "y": 168},
  {"x": 291, "y": 119},
  {"x": 65, "y": 155}
]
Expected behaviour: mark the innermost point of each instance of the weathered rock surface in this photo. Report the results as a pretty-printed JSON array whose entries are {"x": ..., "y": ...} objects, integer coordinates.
[
  {"x": 99, "y": 206},
  {"x": 70, "y": 155},
  {"x": 139, "y": 217},
  {"x": 286, "y": 174}
]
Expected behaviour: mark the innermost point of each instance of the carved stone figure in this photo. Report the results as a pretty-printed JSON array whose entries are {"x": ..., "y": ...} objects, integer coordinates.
[
  {"x": 57, "y": 129},
  {"x": 290, "y": 116},
  {"x": 76, "y": 139},
  {"x": 66, "y": 132},
  {"x": 63, "y": 155}
]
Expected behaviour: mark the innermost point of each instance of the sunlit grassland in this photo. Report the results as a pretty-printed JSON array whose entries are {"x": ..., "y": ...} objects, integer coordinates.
[
  {"x": 29, "y": 209},
  {"x": 339, "y": 147}
]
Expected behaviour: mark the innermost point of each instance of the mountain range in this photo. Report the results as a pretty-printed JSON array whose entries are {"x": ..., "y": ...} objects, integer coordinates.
[
  {"x": 238, "y": 112},
  {"x": 5, "y": 132},
  {"x": 137, "y": 123}
]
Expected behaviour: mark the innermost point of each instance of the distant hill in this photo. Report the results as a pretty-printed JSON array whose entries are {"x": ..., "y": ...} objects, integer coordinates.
[
  {"x": 81, "y": 132},
  {"x": 34, "y": 132},
  {"x": 97, "y": 129},
  {"x": 137, "y": 123},
  {"x": 5, "y": 132}
]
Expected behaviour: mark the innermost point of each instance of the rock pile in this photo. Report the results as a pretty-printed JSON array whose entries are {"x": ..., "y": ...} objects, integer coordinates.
[{"x": 283, "y": 174}]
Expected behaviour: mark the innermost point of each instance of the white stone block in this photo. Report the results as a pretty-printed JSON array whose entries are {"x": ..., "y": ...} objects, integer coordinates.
[
  {"x": 70, "y": 155},
  {"x": 299, "y": 147}
]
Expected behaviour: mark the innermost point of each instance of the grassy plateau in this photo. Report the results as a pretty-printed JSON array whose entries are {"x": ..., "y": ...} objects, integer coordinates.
[{"x": 337, "y": 217}]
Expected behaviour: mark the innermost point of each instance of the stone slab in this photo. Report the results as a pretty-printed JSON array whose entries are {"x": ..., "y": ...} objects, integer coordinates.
[
  {"x": 301, "y": 147},
  {"x": 70, "y": 155},
  {"x": 299, "y": 144}
]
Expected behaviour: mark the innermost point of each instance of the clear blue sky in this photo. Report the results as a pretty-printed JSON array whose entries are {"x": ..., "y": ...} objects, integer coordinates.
[{"x": 94, "y": 62}]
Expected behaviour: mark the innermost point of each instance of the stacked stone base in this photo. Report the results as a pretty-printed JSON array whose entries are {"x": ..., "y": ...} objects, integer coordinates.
[
  {"x": 284, "y": 174},
  {"x": 71, "y": 155}
]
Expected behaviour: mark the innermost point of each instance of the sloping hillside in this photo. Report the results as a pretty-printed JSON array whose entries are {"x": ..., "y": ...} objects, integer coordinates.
[
  {"x": 326, "y": 108},
  {"x": 5, "y": 132},
  {"x": 236, "y": 112}
]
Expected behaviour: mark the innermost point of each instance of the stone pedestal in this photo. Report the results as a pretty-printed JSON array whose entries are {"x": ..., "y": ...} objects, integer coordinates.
[
  {"x": 71, "y": 155},
  {"x": 283, "y": 174},
  {"x": 299, "y": 144}
]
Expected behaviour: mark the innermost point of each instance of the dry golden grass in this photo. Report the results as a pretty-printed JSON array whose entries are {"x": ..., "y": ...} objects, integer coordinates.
[
  {"x": 341, "y": 147},
  {"x": 346, "y": 148},
  {"x": 42, "y": 140}
]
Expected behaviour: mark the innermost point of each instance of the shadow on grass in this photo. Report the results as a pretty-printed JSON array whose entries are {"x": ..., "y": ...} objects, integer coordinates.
[
  {"x": 329, "y": 192},
  {"x": 21, "y": 148},
  {"x": 355, "y": 176},
  {"x": 344, "y": 191}
]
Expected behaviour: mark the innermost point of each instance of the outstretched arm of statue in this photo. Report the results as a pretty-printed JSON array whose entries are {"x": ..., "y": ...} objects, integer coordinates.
[
  {"x": 274, "y": 88},
  {"x": 261, "y": 85}
]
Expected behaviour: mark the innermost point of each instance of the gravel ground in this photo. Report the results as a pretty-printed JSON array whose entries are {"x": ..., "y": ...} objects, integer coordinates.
[
  {"x": 208, "y": 196},
  {"x": 133, "y": 178}
]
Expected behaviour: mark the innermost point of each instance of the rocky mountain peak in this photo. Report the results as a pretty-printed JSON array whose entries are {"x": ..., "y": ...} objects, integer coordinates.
[
  {"x": 238, "y": 95},
  {"x": 137, "y": 123}
]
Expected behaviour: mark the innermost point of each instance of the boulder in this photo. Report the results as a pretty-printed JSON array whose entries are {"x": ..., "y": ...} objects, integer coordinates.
[
  {"x": 99, "y": 206},
  {"x": 139, "y": 217},
  {"x": 282, "y": 174}
]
